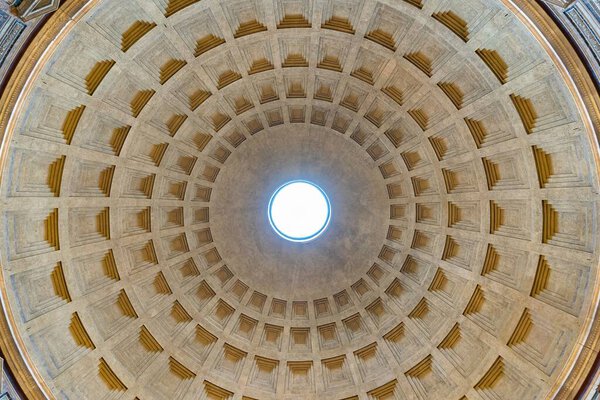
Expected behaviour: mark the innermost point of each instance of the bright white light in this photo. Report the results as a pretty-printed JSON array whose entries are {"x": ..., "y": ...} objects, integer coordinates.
[{"x": 299, "y": 211}]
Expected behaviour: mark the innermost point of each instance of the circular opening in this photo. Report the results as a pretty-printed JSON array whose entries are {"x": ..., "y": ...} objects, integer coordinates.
[{"x": 299, "y": 211}]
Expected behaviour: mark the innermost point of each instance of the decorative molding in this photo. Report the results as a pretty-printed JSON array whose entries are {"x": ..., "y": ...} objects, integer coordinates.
[
  {"x": 30, "y": 9},
  {"x": 560, "y": 3}
]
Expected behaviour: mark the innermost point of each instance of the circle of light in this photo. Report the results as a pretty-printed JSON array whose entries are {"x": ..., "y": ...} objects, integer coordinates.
[{"x": 299, "y": 211}]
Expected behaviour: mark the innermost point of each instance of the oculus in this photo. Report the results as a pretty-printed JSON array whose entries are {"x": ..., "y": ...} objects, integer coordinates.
[{"x": 299, "y": 211}]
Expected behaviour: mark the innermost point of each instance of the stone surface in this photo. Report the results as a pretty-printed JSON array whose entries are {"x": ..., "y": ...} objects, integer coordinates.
[
  {"x": 462, "y": 167},
  {"x": 302, "y": 271}
]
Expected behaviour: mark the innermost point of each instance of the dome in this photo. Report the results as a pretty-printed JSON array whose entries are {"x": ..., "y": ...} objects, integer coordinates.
[{"x": 455, "y": 141}]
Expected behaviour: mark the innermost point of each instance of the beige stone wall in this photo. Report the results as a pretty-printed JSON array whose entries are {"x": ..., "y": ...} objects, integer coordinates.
[{"x": 462, "y": 164}]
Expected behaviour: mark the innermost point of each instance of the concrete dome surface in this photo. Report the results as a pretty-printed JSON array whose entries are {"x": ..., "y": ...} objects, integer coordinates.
[{"x": 455, "y": 140}]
